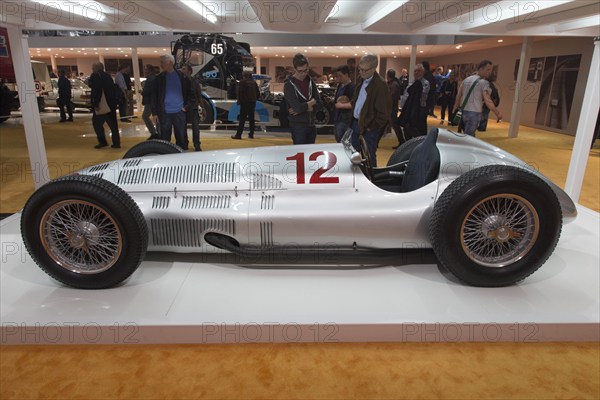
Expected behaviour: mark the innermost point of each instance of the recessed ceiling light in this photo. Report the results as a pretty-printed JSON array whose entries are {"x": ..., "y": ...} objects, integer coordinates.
[
  {"x": 306, "y": 51},
  {"x": 421, "y": 51},
  {"x": 393, "y": 52},
  {"x": 500, "y": 40},
  {"x": 341, "y": 47},
  {"x": 106, "y": 49},
  {"x": 355, "y": 54},
  {"x": 395, "y": 56},
  {"x": 264, "y": 48},
  {"x": 322, "y": 51},
  {"x": 406, "y": 48},
  {"x": 49, "y": 49},
  {"x": 85, "y": 54},
  {"x": 71, "y": 49}
]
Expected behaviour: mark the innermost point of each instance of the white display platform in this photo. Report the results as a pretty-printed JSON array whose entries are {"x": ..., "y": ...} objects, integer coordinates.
[{"x": 172, "y": 299}]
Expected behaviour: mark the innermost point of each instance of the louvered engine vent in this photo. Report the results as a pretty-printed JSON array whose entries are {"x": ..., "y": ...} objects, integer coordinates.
[
  {"x": 199, "y": 173},
  {"x": 265, "y": 182},
  {"x": 203, "y": 202}
]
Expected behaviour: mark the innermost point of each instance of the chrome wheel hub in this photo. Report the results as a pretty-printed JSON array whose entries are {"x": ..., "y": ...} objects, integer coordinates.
[
  {"x": 499, "y": 230},
  {"x": 81, "y": 237}
]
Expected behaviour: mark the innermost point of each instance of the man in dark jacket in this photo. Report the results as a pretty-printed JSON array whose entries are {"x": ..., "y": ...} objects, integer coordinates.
[
  {"x": 102, "y": 83},
  {"x": 64, "y": 97},
  {"x": 342, "y": 116},
  {"x": 147, "y": 93},
  {"x": 431, "y": 97},
  {"x": 371, "y": 106},
  {"x": 173, "y": 96},
  {"x": 192, "y": 115},
  {"x": 302, "y": 96},
  {"x": 413, "y": 118},
  {"x": 247, "y": 94}
]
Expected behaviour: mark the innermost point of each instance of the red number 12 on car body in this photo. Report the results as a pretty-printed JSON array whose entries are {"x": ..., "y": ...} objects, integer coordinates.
[{"x": 317, "y": 177}]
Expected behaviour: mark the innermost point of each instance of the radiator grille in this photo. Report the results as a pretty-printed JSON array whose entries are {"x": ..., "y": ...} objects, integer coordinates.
[
  {"x": 206, "y": 202},
  {"x": 266, "y": 234},
  {"x": 267, "y": 202},
  {"x": 265, "y": 182},
  {"x": 161, "y": 202},
  {"x": 199, "y": 173},
  {"x": 187, "y": 232}
]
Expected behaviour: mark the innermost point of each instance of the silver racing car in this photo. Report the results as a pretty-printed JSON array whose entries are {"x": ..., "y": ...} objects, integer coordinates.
[{"x": 490, "y": 219}]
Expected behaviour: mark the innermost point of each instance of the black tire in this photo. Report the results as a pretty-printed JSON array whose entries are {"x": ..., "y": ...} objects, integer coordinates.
[
  {"x": 84, "y": 232},
  {"x": 495, "y": 225},
  {"x": 403, "y": 152},
  {"x": 152, "y": 147},
  {"x": 322, "y": 116},
  {"x": 4, "y": 111},
  {"x": 41, "y": 104},
  {"x": 205, "y": 111}
]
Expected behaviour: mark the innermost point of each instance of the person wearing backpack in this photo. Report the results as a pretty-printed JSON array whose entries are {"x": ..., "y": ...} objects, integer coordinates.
[{"x": 485, "y": 112}]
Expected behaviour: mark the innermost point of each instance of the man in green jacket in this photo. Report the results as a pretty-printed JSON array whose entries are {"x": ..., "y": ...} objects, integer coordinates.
[{"x": 371, "y": 106}]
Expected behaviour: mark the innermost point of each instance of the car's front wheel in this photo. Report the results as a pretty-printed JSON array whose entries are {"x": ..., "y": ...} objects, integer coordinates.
[
  {"x": 84, "y": 232},
  {"x": 495, "y": 225}
]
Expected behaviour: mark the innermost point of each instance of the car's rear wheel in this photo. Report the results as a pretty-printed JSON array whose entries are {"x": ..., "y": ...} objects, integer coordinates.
[
  {"x": 322, "y": 116},
  {"x": 495, "y": 225},
  {"x": 205, "y": 111},
  {"x": 84, "y": 232},
  {"x": 403, "y": 152},
  {"x": 151, "y": 148}
]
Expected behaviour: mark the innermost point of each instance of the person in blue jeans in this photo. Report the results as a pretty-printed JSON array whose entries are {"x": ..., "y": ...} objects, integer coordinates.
[
  {"x": 302, "y": 97},
  {"x": 371, "y": 106},
  {"x": 342, "y": 115},
  {"x": 480, "y": 94},
  {"x": 173, "y": 95}
]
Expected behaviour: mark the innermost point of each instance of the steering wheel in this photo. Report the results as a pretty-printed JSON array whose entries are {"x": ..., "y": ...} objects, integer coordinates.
[{"x": 366, "y": 156}]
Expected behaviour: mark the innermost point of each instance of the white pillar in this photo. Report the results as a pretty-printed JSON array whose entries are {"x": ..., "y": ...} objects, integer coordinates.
[
  {"x": 29, "y": 106},
  {"x": 412, "y": 63},
  {"x": 517, "y": 106},
  {"x": 258, "y": 64},
  {"x": 53, "y": 62},
  {"x": 585, "y": 127},
  {"x": 136, "y": 78}
]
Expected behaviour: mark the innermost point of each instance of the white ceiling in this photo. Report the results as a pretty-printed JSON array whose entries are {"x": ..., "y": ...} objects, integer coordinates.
[
  {"x": 412, "y": 17},
  {"x": 319, "y": 28}
]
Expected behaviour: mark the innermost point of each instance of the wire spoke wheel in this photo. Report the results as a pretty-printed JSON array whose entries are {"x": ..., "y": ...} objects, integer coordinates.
[
  {"x": 499, "y": 230},
  {"x": 81, "y": 237}
]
